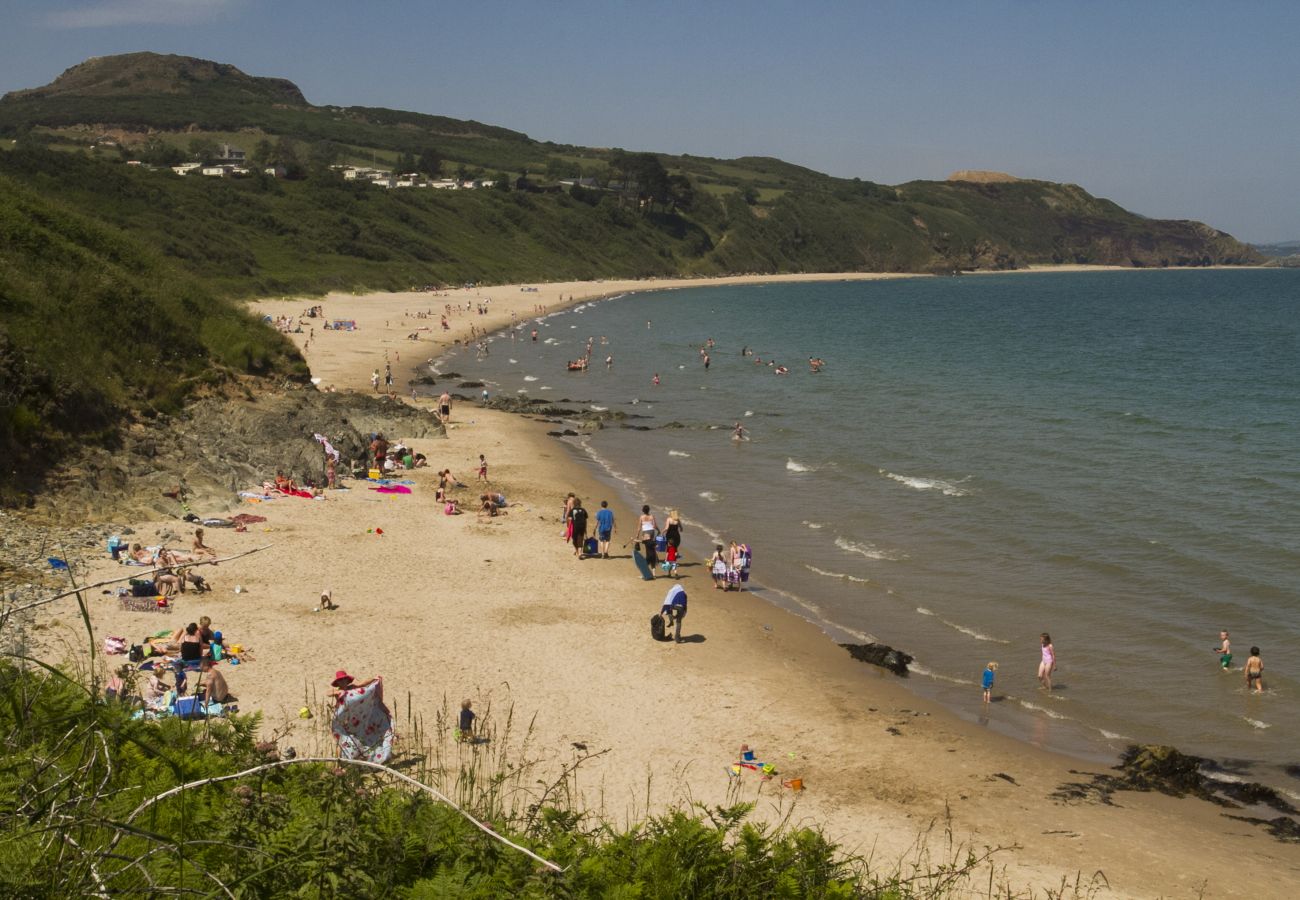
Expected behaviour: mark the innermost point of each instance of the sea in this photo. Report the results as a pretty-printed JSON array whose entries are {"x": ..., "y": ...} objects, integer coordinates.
[{"x": 1109, "y": 457}]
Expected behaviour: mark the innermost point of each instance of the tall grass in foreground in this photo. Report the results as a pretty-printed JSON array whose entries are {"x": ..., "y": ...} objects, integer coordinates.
[{"x": 96, "y": 803}]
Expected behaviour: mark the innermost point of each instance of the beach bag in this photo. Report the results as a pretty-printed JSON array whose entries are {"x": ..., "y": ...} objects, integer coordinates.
[
  {"x": 590, "y": 546},
  {"x": 661, "y": 544},
  {"x": 114, "y": 646},
  {"x": 135, "y": 654},
  {"x": 143, "y": 588},
  {"x": 658, "y": 627}
]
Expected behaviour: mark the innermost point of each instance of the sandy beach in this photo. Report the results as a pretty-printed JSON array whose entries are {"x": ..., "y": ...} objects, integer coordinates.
[{"x": 500, "y": 611}]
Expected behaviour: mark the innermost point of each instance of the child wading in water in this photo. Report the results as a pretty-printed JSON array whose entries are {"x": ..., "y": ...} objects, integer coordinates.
[
  {"x": 989, "y": 673},
  {"x": 1255, "y": 672},
  {"x": 1224, "y": 650},
  {"x": 1048, "y": 664}
]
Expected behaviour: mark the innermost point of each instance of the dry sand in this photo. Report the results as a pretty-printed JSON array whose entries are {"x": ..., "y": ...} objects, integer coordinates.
[{"x": 502, "y": 612}]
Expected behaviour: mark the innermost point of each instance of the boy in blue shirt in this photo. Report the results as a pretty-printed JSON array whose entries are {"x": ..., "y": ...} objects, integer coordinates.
[
  {"x": 604, "y": 528},
  {"x": 988, "y": 681}
]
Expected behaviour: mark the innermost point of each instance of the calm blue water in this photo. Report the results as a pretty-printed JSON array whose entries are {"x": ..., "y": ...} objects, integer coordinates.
[{"x": 1109, "y": 457}]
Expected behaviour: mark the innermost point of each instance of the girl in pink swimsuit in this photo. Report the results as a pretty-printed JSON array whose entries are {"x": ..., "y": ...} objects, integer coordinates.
[{"x": 1048, "y": 664}]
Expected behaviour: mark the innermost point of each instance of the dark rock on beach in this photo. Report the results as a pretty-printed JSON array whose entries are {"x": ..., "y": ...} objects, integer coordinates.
[
  {"x": 470, "y": 384},
  {"x": 881, "y": 655}
]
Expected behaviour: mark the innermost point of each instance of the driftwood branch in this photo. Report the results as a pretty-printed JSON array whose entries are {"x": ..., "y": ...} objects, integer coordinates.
[
  {"x": 486, "y": 829},
  {"x": 206, "y": 562}
]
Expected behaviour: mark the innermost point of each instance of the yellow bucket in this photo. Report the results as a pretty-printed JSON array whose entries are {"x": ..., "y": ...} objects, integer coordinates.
[
  {"x": 375, "y": 474},
  {"x": 795, "y": 784}
]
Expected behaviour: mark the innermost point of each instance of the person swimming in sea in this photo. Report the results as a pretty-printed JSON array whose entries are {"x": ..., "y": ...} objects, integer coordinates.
[{"x": 739, "y": 433}]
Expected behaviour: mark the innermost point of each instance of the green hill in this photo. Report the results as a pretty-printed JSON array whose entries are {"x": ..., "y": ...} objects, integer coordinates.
[
  {"x": 116, "y": 279},
  {"x": 96, "y": 327}
]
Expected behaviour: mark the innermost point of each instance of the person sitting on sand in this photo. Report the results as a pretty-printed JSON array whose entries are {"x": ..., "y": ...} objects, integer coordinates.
[
  {"x": 213, "y": 684},
  {"x": 492, "y": 505},
  {"x": 283, "y": 482},
  {"x": 154, "y": 689},
  {"x": 200, "y": 548},
  {"x": 452, "y": 508},
  {"x": 191, "y": 644}
]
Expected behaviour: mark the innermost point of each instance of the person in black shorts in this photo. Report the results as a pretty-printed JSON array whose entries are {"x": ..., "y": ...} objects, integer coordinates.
[{"x": 578, "y": 516}]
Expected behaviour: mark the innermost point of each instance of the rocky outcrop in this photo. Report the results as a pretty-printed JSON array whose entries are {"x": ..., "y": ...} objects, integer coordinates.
[
  {"x": 982, "y": 176},
  {"x": 881, "y": 655},
  {"x": 220, "y": 446}
]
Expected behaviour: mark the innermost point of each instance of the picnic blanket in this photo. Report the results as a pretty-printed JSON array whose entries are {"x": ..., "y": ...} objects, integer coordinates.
[
  {"x": 363, "y": 725},
  {"x": 393, "y": 489}
]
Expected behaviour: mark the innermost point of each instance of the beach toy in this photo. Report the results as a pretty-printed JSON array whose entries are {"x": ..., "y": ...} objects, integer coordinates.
[
  {"x": 379, "y": 531},
  {"x": 304, "y": 713},
  {"x": 234, "y": 660},
  {"x": 56, "y": 564},
  {"x": 375, "y": 474},
  {"x": 794, "y": 784},
  {"x": 239, "y": 589}
]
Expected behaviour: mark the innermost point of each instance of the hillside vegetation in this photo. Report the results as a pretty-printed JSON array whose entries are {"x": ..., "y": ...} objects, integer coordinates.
[
  {"x": 116, "y": 280},
  {"x": 95, "y": 326}
]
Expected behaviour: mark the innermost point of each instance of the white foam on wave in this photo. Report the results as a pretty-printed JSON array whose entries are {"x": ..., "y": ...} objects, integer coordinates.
[
  {"x": 1034, "y": 707},
  {"x": 842, "y": 576},
  {"x": 923, "y": 611},
  {"x": 522, "y": 391},
  {"x": 678, "y": 453},
  {"x": 513, "y": 362},
  {"x": 549, "y": 341},
  {"x": 1113, "y": 735},
  {"x": 813, "y": 525},
  {"x": 947, "y": 488},
  {"x": 792, "y": 466},
  {"x": 545, "y": 387},
  {"x": 599, "y": 408},
  {"x": 922, "y": 670},
  {"x": 604, "y": 464},
  {"x": 710, "y": 496},
  {"x": 1256, "y": 723},
  {"x": 530, "y": 378},
  {"x": 749, "y": 412},
  {"x": 869, "y": 550},
  {"x": 971, "y": 632}
]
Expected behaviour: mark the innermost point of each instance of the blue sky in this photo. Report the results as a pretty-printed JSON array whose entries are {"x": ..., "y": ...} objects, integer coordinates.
[{"x": 1176, "y": 110}]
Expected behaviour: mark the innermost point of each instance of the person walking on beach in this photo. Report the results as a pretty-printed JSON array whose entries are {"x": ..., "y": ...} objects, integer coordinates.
[
  {"x": 578, "y": 519},
  {"x": 388, "y": 377},
  {"x": 648, "y": 530},
  {"x": 374, "y": 380},
  {"x": 482, "y": 469},
  {"x": 1048, "y": 663},
  {"x": 990, "y": 671},
  {"x": 1255, "y": 672},
  {"x": 1224, "y": 650},
  {"x": 674, "y": 610},
  {"x": 444, "y": 407},
  {"x": 465, "y": 724},
  {"x": 718, "y": 568},
  {"x": 604, "y": 528}
]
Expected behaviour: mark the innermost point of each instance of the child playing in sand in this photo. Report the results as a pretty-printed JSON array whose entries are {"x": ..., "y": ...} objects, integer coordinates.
[
  {"x": 1224, "y": 650},
  {"x": 1255, "y": 672},
  {"x": 989, "y": 673},
  {"x": 465, "y": 731}
]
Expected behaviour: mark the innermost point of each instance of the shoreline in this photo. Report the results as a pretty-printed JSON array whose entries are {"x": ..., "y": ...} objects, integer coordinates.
[{"x": 499, "y": 610}]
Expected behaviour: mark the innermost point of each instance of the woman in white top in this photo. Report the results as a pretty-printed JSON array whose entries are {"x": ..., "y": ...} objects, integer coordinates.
[{"x": 648, "y": 529}]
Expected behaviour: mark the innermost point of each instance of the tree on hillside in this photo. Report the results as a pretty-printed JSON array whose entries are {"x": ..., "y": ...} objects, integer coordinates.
[
  {"x": 681, "y": 193},
  {"x": 202, "y": 148},
  {"x": 157, "y": 152},
  {"x": 286, "y": 155},
  {"x": 430, "y": 162},
  {"x": 502, "y": 181},
  {"x": 263, "y": 154},
  {"x": 643, "y": 176},
  {"x": 405, "y": 163}
]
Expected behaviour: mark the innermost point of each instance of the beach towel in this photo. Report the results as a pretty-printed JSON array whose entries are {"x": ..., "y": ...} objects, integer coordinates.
[
  {"x": 363, "y": 726},
  {"x": 246, "y": 519},
  {"x": 393, "y": 489}
]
